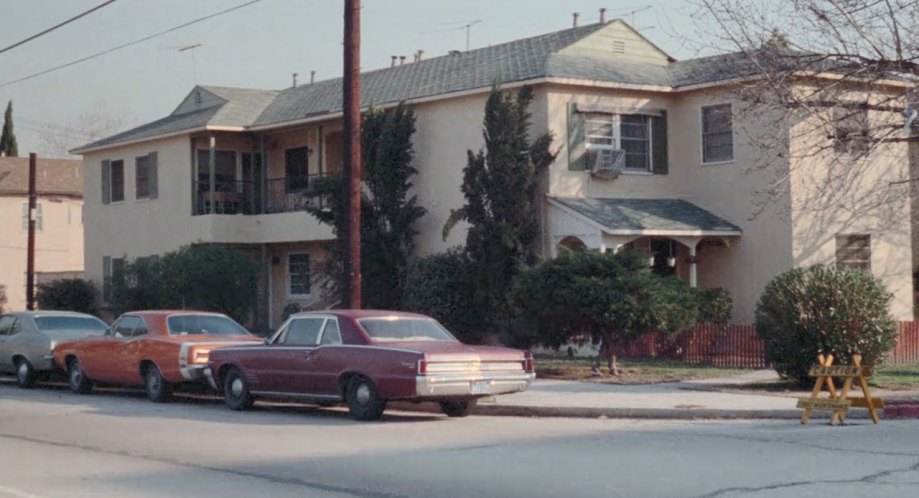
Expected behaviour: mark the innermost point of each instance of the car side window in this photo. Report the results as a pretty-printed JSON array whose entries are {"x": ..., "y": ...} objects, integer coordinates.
[
  {"x": 303, "y": 332},
  {"x": 6, "y": 323},
  {"x": 15, "y": 328},
  {"x": 124, "y": 327},
  {"x": 141, "y": 328},
  {"x": 331, "y": 334}
]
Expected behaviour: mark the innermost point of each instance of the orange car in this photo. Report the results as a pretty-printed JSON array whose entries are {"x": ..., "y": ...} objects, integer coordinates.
[{"x": 156, "y": 349}]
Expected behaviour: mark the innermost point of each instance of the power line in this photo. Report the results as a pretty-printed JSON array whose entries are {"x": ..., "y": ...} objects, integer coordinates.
[
  {"x": 125, "y": 45},
  {"x": 52, "y": 28}
]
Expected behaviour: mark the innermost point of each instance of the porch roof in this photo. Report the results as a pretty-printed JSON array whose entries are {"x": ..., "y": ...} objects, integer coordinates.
[{"x": 665, "y": 217}]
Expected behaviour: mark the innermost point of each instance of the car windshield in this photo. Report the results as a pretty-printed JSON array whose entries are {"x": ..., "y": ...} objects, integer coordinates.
[
  {"x": 81, "y": 323},
  {"x": 204, "y": 325},
  {"x": 387, "y": 329}
]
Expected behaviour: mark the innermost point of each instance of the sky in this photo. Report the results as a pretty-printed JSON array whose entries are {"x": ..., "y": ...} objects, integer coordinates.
[{"x": 257, "y": 46}]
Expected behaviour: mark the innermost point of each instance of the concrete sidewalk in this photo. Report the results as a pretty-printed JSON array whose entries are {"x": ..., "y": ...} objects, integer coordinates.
[{"x": 699, "y": 399}]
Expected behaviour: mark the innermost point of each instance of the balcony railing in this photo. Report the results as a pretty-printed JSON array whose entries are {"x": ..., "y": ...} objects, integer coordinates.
[{"x": 281, "y": 195}]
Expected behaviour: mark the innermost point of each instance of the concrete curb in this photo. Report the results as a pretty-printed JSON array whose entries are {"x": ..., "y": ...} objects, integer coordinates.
[
  {"x": 653, "y": 413},
  {"x": 902, "y": 410}
]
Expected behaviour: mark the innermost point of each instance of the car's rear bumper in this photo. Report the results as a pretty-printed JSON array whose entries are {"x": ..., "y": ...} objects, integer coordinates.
[{"x": 472, "y": 384}]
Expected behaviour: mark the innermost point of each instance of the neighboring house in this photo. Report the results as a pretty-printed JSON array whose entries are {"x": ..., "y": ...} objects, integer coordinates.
[
  {"x": 58, "y": 223},
  {"x": 650, "y": 158}
]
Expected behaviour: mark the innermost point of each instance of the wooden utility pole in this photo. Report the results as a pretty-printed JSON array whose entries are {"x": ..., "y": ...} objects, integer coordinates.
[
  {"x": 351, "y": 91},
  {"x": 30, "y": 251}
]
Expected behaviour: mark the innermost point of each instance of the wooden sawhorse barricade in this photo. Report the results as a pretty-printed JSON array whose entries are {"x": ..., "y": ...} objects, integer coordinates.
[{"x": 839, "y": 401}]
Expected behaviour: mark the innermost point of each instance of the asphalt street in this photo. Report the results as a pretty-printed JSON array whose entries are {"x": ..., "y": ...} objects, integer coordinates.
[{"x": 118, "y": 444}]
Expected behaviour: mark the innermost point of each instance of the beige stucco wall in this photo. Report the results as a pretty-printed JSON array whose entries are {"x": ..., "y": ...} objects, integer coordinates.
[
  {"x": 136, "y": 228},
  {"x": 58, "y": 246},
  {"x": 833, "y": 194},
  {"x": 726, "y": 189},
  {"x": 445, "y": 130}
]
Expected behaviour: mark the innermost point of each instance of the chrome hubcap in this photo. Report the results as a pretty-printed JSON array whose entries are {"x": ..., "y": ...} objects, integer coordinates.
[
  {"x": 236, "y": 387},
  {"x": 363, "y": 394},
  {"x": 23, "y": 371},
  {"x": 153, "y": 382},
  {"x": 76, "y": 376}
]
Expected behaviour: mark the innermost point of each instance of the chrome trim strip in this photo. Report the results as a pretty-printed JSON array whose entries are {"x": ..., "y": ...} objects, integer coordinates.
[
  {"x": 296, "y": 395},
  {"x": 263, "y": 347}
]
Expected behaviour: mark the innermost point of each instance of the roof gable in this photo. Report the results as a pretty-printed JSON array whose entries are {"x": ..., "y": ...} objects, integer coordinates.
[
  {"x": 197, "y": 99},
  {"x": 618, "y": 40}
]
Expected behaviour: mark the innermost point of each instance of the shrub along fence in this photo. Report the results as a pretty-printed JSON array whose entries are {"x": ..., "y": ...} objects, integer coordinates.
[{"x": 737, "y": 346}]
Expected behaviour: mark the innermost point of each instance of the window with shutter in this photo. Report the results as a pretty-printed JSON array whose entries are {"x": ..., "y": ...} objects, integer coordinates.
[{"x": 598, "y": 139}]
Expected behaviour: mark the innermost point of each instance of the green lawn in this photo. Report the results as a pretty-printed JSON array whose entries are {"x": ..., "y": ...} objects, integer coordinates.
[
  {"x": 896, "y": 377},
  {"x": 631, "y": 371}
]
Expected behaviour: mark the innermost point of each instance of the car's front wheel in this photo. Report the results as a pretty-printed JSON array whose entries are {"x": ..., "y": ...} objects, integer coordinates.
[
  {"x": 25, "y": 374},
  {"x": 236, "y": 391},
  {"x": 460, "y": 408},
  {"x": 364, "y": 402},
  {"x": 158, "y": 390},
  {"x": 79, "y": 382}
]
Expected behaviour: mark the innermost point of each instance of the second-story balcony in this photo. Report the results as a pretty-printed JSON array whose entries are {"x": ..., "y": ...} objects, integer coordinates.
[{"x": 279, "y": 195}]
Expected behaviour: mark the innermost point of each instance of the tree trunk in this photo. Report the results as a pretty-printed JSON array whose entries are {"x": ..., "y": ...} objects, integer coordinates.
[{"x": 608, "y": 353}]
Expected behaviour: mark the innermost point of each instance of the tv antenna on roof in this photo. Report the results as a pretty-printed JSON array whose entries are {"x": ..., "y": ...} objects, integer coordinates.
[
  {"x": 457, "y": 25},
  {"x": 194, "y": 63}
]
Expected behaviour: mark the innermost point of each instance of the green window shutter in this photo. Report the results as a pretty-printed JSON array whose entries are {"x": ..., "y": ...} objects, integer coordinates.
[
  {"x": 152, "y": 176},
  {"x": 106, "y": 181},
  {"x": 660, "y": 160},
  {"x": 577, "y": 150}
]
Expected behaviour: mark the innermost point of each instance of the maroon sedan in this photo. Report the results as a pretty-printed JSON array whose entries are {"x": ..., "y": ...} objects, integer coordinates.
[{"x": 366, "y": 358}]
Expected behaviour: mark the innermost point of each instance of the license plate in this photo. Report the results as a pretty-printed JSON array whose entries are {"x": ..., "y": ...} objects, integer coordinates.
[{"x": 481, "y": 387}]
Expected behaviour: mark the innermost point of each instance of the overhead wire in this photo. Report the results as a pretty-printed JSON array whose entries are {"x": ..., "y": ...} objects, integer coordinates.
[
  {"x": 128, "y": 44},
  {"x": 52, "y": 28}
]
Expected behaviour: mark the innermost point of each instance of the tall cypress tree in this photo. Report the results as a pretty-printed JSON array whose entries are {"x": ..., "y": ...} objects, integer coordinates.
[
  {"x": 8, "y": 139},
  {"x": 388, "y": 212},
  {"x": 500, "y": 184}
]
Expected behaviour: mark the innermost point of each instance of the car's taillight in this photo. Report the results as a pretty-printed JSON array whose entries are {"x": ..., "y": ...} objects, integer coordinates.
[
  {"x": 528, "y": 364},
  {"x": 422, "y": 367}
]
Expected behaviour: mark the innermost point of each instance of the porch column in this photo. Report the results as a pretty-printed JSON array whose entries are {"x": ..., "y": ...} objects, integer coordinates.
[
  {"x": 693, "y": 278},
  {"x": 212, "y": 182},
  {"x": 691, "y": 243}
]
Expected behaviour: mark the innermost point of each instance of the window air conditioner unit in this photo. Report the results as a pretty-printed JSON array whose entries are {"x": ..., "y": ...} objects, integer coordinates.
[{"x": 607, "y": 165}]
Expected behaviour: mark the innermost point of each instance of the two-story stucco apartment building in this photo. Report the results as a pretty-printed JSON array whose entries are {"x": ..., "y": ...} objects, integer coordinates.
[
  {"x": 58, "y": 223},
  {"x": 650, "y": 157}
]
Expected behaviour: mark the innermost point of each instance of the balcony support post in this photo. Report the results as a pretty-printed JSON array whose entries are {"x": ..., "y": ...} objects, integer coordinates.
[
  {"x": 212, "y": 165},
  {"x": 263, "y": 180}
]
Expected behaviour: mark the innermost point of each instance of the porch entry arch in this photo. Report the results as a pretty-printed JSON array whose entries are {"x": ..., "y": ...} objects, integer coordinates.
[{"x": 609, "y": 224}]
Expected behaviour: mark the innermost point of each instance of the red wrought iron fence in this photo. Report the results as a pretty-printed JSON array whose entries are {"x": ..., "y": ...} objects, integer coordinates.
[{"x": 737, "y": 346}]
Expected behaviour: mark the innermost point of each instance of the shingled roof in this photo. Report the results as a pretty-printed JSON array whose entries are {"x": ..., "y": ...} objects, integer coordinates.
[
  {"x": 53, "y": 176},
  {"x": 637, "y": 215},
  {"x": 516, "y": 61}
]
